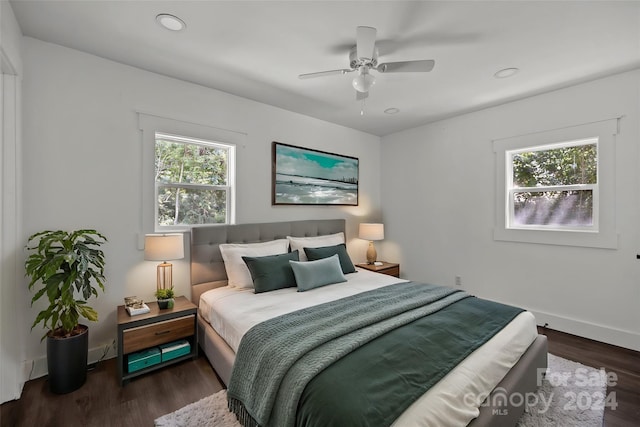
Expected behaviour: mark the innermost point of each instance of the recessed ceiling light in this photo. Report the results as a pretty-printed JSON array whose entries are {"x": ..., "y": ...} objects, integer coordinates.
[
  {"x": 506, "y": 72},
  {"x": 171, "y": 22},
  {"x": 392, "y": 110}
]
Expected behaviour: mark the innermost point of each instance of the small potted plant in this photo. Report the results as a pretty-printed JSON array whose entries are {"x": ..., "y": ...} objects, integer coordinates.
[{"x": 165, "y": 298}]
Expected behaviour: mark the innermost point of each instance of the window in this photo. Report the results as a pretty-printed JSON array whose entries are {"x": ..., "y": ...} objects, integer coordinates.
[
  {"x": 190, "y": 179},
  {"x": 553, "y": 187},
  {"x": 558, "y": 187},
  {"x": 193, "y": 183}
]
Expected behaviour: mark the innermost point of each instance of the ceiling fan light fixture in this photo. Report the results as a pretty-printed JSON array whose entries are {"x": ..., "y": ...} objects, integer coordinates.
[
  {"x": 363, "y": 57},
  {"x": 171, "y": 22},
  {"x": 364, "y": 81}
]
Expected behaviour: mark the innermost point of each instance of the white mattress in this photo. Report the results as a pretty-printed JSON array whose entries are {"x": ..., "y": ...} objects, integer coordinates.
[{"x": 233, "y": 311}]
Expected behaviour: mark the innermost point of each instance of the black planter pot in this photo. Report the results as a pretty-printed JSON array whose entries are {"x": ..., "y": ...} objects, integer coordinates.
[
  {"x": 163, "y": 304},
  {"x": 67, "y": 362}
]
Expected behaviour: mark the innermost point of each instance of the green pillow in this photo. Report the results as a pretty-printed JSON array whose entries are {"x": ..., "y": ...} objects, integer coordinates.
[
  {"x": 271, "y": 272},
  {"x": 313, "y": 274},
  {"x": 327, "y": 251}
]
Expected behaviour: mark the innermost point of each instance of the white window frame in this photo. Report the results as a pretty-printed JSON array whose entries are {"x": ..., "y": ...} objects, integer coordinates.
[
  {"x": 512, "y": 189},
  {"x": 149, "y": 125},
  {"x": 228, "y": 189},
  {"x": 604, "y": 235}
]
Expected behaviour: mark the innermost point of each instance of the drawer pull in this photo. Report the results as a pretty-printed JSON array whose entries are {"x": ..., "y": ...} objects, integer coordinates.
[{"x": 163, "y": 332}]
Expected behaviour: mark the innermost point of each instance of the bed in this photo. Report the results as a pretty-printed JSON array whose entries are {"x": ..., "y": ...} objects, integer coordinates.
[{"x": 210, "y": 291}]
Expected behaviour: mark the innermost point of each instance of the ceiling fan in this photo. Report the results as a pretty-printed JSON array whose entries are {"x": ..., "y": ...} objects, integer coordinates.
[{"x": 363, "y": 58}]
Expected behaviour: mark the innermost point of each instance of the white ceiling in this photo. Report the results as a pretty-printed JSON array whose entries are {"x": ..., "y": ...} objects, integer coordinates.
[{"x": 257, "y": 49}]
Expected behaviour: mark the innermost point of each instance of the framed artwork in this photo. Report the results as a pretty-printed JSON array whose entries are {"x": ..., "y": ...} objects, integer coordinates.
[{"x": 302, "y": 176}]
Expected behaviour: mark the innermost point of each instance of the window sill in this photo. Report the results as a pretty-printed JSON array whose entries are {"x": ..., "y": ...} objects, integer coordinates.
[{"x": 602, "y": 240}]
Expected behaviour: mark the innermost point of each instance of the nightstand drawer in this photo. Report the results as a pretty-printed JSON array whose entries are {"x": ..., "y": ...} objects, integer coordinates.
[
  {"x": 142, "y": 337},
  {"x": 389, "y": 268},
  {"x": 393, "y": 271}
]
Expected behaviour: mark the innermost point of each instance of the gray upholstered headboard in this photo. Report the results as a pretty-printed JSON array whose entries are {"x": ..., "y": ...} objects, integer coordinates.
[{"x": 207, "y": 266}]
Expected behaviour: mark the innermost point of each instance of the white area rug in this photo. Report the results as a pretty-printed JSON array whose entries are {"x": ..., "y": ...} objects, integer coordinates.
[
  {"x": 571, "y": 394},
  {"x": 211, "y": 411}
]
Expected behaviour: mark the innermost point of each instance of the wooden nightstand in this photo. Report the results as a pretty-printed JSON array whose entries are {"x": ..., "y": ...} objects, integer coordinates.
[
  {"x": 145, "y": 331},
  {"x": 389, "y": 268}
]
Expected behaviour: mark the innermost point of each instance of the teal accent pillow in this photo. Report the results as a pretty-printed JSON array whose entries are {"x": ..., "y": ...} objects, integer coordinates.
[
  {"x": 326, "y": 251},
  {"x": 314, "y": 274},
  {"x": 271, "y": 272}
]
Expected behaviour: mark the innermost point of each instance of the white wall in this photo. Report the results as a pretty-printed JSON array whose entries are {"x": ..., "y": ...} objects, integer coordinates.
[
  {"x": 439, "y": 210},
  {"x": 12, "y": 328},
  {"x": 82, "y": 161}
]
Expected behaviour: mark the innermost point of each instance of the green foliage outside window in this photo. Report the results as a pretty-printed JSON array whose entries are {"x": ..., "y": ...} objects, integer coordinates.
[
  {"x": 560, "y": 166},
  {"x": 537, "y": 170},
  {"x": 192, "y": 182}
]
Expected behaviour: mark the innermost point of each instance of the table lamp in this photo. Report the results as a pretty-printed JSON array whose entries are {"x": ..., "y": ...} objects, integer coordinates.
[
  {"x": 371, "y": 232},
  {"x": 164, "y": 247}
]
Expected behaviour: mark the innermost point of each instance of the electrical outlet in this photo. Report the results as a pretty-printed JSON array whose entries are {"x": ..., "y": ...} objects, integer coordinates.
[{"x": 458, "y": 281}]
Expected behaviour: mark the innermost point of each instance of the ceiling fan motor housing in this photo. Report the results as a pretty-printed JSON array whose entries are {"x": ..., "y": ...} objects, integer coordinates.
[{"x": 355, "y": 62}]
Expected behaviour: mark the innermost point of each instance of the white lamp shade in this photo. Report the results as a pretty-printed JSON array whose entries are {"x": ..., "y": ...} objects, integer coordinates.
[
  {"x": 163, "y": 247},
  {"x": 370, "y": 231}
]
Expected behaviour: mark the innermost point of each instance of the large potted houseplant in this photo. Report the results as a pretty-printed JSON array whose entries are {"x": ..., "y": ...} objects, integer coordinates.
[{"x": 66, "y": 269}]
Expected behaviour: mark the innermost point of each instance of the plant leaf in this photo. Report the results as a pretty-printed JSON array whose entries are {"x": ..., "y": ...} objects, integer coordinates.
[{"x": 62, "y": 264}]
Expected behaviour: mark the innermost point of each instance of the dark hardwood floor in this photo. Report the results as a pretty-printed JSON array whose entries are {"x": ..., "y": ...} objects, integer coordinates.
[{"x": 102, "y": 402}]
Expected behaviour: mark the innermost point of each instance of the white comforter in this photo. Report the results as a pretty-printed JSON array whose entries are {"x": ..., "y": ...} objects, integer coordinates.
[{"x": 232, "y": 312}]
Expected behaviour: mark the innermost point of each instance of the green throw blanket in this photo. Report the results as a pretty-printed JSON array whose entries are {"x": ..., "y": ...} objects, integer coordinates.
[
  {"x": 277, "y": 358},
  {"x": 376, "y": 383}
]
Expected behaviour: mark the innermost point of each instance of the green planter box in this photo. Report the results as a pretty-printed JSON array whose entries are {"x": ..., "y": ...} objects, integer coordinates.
[{"x": 143, "y": 359}]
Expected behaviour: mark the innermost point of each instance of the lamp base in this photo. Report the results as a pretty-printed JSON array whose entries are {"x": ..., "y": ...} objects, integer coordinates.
[
  {"x": 165, "y": 276},
  {"x": 371, "y": 253}
]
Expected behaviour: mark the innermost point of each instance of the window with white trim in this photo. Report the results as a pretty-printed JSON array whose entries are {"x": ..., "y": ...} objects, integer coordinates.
[
  {"x": 553, "y": 187},
  {"x": 558, "y": 186},
  {"x": 193, "y": 181}
]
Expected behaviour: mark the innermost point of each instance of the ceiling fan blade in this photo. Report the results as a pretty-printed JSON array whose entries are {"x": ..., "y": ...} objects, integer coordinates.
[
  {"x": 425, "y": 65},
  {"x": 325, "y": 73},
  {"x": 365, "y": 42},
  {"x": 361, "y": 95}
]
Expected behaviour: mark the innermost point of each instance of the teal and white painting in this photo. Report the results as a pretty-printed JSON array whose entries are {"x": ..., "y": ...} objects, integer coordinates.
[{"x": 302, "y": 176}]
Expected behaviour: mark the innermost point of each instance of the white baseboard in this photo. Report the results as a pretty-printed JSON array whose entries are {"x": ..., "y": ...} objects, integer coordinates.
[
  {"x": 37, "y": 368},
  {"x": 618, "y": 337}
]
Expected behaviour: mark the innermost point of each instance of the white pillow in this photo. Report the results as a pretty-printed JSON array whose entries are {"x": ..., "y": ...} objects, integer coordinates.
[
  {"x": 299, "y": 243},
  {"x": 237, "y": 271}
]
